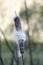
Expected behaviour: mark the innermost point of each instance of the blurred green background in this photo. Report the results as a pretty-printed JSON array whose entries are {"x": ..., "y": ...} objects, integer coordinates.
[{"x": 35, "y": 20}]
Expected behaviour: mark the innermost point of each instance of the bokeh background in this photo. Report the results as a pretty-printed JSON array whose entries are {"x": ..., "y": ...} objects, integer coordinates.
[{"x": 35, "y": 20}]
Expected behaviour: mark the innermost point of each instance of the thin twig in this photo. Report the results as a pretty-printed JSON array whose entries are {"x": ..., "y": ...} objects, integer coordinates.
[
  {"x": 11, "y": 49},
  {"x": 1, "y": 61},
  {"x": 30, "y": 46}
]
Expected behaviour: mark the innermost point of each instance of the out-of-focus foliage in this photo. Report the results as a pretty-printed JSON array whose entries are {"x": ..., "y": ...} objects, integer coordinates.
[{"x": 35, "y": 16}]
